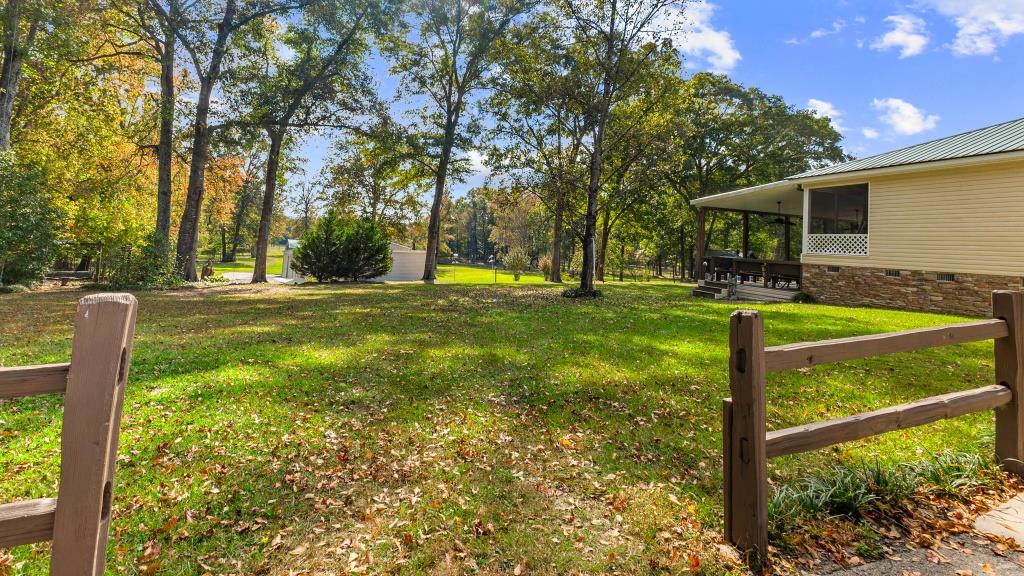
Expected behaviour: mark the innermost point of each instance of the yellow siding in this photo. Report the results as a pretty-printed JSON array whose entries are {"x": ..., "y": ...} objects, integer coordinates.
[{"x": 968, "y": 220}]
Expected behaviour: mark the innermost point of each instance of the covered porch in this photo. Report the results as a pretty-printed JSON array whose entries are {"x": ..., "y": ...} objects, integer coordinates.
[{"x": 735, "y": 272}]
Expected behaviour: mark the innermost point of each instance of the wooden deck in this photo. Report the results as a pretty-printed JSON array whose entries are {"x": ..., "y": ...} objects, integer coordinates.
[{"x": 750, "y": 292}]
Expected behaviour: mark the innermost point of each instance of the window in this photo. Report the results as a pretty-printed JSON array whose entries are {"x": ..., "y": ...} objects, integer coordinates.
[
  {"x": 839, "y": 210},
  {"x": 892, "y": 273},
  {"x": 945, "y": 277},
  {"x": 832, "y": 269}
]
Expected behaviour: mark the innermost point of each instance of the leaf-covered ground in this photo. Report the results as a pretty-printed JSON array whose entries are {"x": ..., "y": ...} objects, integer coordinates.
[{"x": 445, "y": 429}]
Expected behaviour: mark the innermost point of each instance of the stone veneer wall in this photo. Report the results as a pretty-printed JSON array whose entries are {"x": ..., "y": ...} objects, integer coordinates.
[{"x": 968, "y": 294}]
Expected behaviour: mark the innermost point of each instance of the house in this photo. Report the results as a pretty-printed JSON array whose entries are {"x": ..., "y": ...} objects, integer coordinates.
[
  {"x": 406, "y": 264},
  {"x": 936, "y": 226}
]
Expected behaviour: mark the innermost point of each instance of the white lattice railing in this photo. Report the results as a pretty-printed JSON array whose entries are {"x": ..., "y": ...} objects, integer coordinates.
[{"x": 838, "y": 244}]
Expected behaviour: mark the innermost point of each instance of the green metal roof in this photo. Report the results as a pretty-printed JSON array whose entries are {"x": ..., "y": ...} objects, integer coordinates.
[{"x": 1005, "y": 137}]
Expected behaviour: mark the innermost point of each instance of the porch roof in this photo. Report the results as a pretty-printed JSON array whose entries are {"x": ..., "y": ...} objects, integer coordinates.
[{"x": 763, "y": 198}]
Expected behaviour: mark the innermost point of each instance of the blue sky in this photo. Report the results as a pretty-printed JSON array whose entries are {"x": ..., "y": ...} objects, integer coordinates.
[{"x": 888, "y": 73}]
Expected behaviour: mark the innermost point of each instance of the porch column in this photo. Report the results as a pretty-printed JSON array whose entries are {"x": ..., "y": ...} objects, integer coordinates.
[
  {"x": 701, "y": 216},
  {"x": 746, "y": 235},
  {"x": 787, "y": 239}
]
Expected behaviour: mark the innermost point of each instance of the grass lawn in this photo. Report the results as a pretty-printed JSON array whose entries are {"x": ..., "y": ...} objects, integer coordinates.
[
  {"x": 466, "y": 274},
  {"x": 414, "y": 428},
  {"x": 245, "y": 263}
]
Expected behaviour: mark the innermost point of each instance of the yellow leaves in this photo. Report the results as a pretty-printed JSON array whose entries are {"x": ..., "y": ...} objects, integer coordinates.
[{"x": 299, "y": 550}]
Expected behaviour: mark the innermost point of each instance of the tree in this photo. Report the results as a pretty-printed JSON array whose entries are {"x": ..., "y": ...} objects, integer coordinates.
[
  {"x": 538, "y": 107},
  {"x": 730, "y": 136},
  {"x": 324, "y": 79},
  {"x": 373, "y": 177},
  {"x": 22, "y": 20},
  {"x": 446, "y": 59},
  {"x": 612, "y": 42},
  {"x": 207, "y": 49},
  {"x": 29, "y": 221}
]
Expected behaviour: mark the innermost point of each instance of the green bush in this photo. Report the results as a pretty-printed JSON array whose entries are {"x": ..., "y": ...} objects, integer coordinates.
[
  {"x": 333, "y": 249},
  {"x": 29, "y": 220},
  {"x": 148, "y": 266},
  {"x": 516, "y": 261},
  {"x": 319, "y": 252},
  {"x": 14, "y": 289}
]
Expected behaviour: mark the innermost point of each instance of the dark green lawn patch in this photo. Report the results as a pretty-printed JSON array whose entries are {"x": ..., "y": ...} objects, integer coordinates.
[{"x": 434, "y": 428}]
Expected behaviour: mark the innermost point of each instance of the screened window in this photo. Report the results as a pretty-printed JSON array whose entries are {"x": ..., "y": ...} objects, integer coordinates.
[{"x": 839, "y": 210}]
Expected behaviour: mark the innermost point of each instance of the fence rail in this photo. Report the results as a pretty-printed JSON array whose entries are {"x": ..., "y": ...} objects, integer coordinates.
[
  {"x": 22, "y": 381},
  {"x": 747, "y": 444},
  {"x": 93, "y": 384}
]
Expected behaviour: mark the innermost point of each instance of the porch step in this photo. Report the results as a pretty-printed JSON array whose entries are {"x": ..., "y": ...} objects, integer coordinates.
[
  {"x": 751, "y": 292},
  {"x": 708, "y": 293}
]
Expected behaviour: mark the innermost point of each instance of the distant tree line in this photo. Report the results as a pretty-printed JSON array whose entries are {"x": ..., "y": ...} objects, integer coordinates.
[{"x": 147, "y": 135}]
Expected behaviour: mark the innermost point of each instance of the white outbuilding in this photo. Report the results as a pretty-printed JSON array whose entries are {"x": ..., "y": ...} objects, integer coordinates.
[{"x": 406, "y": 264}]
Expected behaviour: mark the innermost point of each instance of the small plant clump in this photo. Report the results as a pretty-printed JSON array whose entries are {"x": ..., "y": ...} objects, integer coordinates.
[
  {"x": 580, "y": 293},
  {"x": 516, "y": 261},
  {"x": 852, "y": 501},
  {"x": 545, "y": 268}
]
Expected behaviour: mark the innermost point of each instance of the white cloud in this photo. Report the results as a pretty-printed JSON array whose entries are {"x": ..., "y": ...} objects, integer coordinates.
[
  {"x": 477, "y": 163},
  {"x": 982, "y": 25},
  {"x": 869, "y": 133},
  {"x": 828, "y": 110},
  {"x": 908, "y": 34},
  {"x": 837, "y": 27},
  {"x": 702, "y": 41},
  {"x": 903, "y": 117}
]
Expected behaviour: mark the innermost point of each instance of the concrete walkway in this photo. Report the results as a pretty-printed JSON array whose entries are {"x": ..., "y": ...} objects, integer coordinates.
[{"x": 963, "y": 555}]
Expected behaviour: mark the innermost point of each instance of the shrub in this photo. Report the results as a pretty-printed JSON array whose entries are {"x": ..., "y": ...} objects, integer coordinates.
[
  {"x": 545, "y": 268},
  {"x": 333, "y": 249},
  {"x": 803, "y": 298},
  {"x": 516, "y": 261},
  {"x": 580, "y": 293},
  {"x": 14, "y": 289},
  {"x": 151, "y": 266},
  {"x": 319, "y": 252},
  {"x": 365, "y": 251},
  {"x": 29, "y": 220}
]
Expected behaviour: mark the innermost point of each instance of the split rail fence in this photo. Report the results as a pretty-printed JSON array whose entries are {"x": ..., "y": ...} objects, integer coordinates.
[
  {"x": 93, "y": 383},
  {"x": 748, "y": 444}
]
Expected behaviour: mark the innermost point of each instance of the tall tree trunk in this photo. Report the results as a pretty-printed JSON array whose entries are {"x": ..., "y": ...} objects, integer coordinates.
[
  {"x": 682, "y": 252},
  {"x": 602, "y": 253},
  {"x": 556, "y": 242},
  {"x": 590, "y": 220},
  {"x": 259, "y": 273},
  {"x": 434, "y": 225},
  {"x": 223, "y": 244},
  {"x": 165, "y": 147},
  {"x": 188, "y": 231},
  {"x": 10, "y": 70}
]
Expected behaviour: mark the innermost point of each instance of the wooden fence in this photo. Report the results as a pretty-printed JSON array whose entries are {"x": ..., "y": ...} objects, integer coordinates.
[
  {"x": 93, "y": 385},
  {"x": 748, "y": 444}
]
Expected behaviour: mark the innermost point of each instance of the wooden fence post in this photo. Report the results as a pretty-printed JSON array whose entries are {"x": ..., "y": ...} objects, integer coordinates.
[
  {"x": 100, "y": 356},
  {"x": 1009, "y": 358},
  {"x": 746, "y": 469}
]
